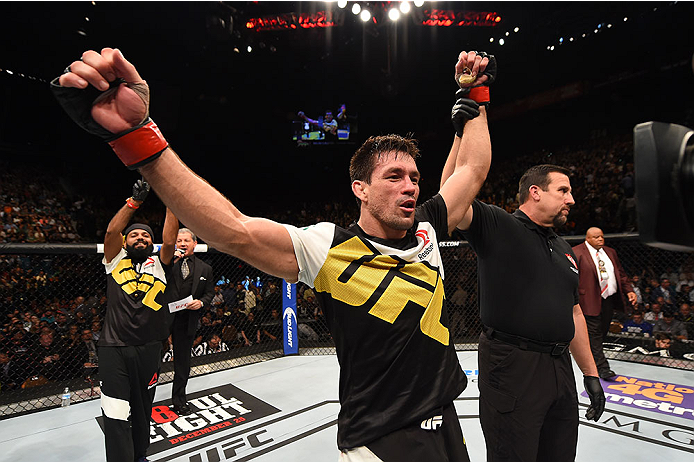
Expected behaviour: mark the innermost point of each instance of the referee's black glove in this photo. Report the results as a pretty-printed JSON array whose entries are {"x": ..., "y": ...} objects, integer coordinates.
[
  {"x": 463, "y": 110},
  {"x": 596, "y": 395}
]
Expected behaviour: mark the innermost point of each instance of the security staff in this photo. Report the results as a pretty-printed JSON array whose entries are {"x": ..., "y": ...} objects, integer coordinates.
[
  {"x": 191, "y": 276},
  {"x": 528, "y": 400},
  {"x": 601, "y": 287}
]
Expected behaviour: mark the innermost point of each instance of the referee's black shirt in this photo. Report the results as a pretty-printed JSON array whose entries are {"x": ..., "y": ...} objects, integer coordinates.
[{"x": 527, "y": 275}]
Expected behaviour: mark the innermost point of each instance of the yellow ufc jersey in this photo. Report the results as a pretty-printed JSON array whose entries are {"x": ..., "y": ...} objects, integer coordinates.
[
  {"x": 383, "y": 302},
  {"x": 136, "y": 311}
]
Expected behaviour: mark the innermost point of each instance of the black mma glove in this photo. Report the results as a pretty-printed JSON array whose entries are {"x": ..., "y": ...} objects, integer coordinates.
[
  {"x": 596, "y": 395},
  {"x": 135, "y": 147},
  {"x": 140, "y": 190},
  {"x": 463, "y": 110}
]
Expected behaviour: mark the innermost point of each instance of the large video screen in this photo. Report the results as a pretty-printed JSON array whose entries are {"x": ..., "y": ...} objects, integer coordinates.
[{"x": 328, "y": 127}]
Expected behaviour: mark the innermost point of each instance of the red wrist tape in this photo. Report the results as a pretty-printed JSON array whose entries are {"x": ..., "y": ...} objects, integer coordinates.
[
  {"x": 480, "y": 94},
  {"x": 140, "y": 146}
]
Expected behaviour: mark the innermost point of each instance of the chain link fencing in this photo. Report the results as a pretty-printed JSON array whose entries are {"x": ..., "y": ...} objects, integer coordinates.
[{"x": 52, "y": 303}]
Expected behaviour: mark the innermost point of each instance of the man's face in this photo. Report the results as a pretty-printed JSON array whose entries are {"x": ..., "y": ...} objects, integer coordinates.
[
  {"x": 328, "y": 116},
  {"x": 638, "y": 318},
  {"x": 185, "y": 242},
  {"x": 46, "y": 339},
  {"x": 214, "y": 341},
  {"x": 86, "y": 335},
  {"x": 665, "y": 284},
  {"x": 557, "y": 200},
  {"x": 685, "y": 309},
  {"x": 392, "y": 195},
  {"x": 595, "y": 238},
  {"x": 138, "y": 243},
  {"x": 663, "y": 344}
]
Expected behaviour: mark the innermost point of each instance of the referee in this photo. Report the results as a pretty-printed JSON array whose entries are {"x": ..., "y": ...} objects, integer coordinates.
[{"x": 528, "y": 400}]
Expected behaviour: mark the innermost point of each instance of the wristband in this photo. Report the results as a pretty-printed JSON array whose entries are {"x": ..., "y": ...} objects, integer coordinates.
[
  {"x": 130, "y": 203},
  {"x": 140, "y": 146},
  {"x": 480, "y": 94}
]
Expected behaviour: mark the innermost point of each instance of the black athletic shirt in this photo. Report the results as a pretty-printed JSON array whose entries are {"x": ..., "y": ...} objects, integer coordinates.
[
  {"x": 137, "y": 312},
  {"x": 527, "y": 275},
  {"x": 383, "y": 302}
]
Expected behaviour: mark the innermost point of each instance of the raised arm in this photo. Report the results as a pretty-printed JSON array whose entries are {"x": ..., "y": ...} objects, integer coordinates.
[
  {"x": 113, "y": 239},
  {"x": 257, "y": 241},
  {"x": 120, "y": 115},
  {"x": 470, "y": 156},
  {"x": 168, "y": 237}
]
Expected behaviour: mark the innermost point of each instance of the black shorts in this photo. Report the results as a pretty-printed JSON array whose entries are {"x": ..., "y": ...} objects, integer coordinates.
[{"x": 438, "y": 438}]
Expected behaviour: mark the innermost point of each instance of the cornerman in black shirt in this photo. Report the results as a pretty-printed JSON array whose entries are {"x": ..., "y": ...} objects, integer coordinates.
[
  {"x": 528, "y": 401},
  {"x": 137, "y": 320}
]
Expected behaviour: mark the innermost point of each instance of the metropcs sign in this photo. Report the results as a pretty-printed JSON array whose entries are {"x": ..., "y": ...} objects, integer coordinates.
[{"x": 660, "y": 397}]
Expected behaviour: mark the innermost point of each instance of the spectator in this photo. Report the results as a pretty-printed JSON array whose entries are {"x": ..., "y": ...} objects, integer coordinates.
[
  {"x": 666, "y": 291},
  {"x": 218, "y": 298},
  {"x": 250, "y": 330},
  {"x": 663, "y": 342},
  {"x": 637, "y": 325},
  {"x": 636, "y": 284},
  {"x": 206, "y": 329},
  {"x": 273, "y": 329},
  {"x": 48, "y": 358},
  {"x": 671, "y": 326},
  {"x": 84, "y": 356},
  {"x": 9, "y": 377},
  {"x": 213, "y": 345},
  {"x": 655, "y": 314},
  {"x": 685, "y": 315}
]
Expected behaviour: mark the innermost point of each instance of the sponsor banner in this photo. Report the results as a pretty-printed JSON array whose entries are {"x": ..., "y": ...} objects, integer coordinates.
[
  {"x": 289, "y": 323},
  {"x": 642, "y": 428},
  {"x": 660, "y": 397},
  {"x": 214, "y": 411},
  {"x": 253, "y": 441}
]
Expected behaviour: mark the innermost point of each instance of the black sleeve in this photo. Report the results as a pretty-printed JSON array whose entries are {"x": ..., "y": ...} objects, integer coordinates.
[
  {"x": 434, "y": 211},
  {"x": 484, "y": 226},
  {"x": 209, "y": 285}
]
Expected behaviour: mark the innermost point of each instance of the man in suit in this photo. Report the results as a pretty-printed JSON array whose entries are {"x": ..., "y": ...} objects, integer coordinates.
[
  {"x": 601, "y": 285},
  {"x": 191, "y": 276}
]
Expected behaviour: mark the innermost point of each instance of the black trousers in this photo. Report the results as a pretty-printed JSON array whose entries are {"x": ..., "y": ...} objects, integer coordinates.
[
  {"x": 598, "y": 326},
  {"x": 129, "y": 376},
  {"x": 182, "y": 343},
  {"x": 528, "y": 404}
]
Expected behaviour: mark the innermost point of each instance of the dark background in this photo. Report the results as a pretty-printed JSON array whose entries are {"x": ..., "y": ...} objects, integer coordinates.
[{"x": 228, "y": 114}]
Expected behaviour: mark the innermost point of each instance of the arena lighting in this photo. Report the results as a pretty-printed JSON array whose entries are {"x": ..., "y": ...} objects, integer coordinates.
[
  {"x": 394, "y": 14},
  {"x": 516, "y": 29},
  {"x": 249, "y": 48},
  {"x": 356, "y": 9},
  {"x": 501, "y": 42},
  {"x": 491, "y": 39},
  {"x": 447, "y": 18},
  {"x": 365, "y": 15},
  {"x": 341, "y": 3},
  {"x": 507, "y": 34},
  {"x": 405, "y": 7},
  {"x": 418, "y": 3},
  {"x": 319, "y": 19}
]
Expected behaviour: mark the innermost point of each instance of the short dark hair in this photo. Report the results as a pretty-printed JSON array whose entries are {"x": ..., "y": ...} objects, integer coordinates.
[
  {"x": 537, "y": 175},
  {"x": 363, "y": 161}
]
